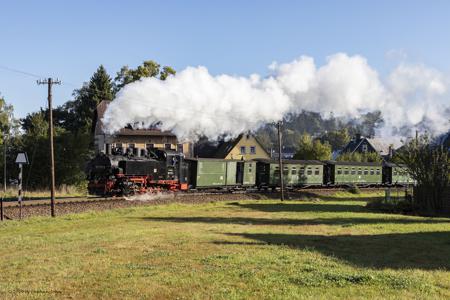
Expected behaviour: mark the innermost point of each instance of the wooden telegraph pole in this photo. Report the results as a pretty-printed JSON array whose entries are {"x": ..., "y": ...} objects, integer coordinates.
[
  {"x": 4, "y": 178},
  {"x": 280, "y": 160},
  {"x": 50, "y": 82}
]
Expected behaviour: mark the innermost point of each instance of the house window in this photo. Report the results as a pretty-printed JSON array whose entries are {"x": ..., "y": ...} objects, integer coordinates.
[
  {"x": 131, "y": 149},
  {"x": 364, "y": 147},
  {"x": 119, "y": 145},
  {"x": 252, "y": 150},
  {"x": 150, "y": 146},
  {"x": 242, "y": 149},
  {"x": 167, "y": 146},
  {"x": 180, "y": 148}
]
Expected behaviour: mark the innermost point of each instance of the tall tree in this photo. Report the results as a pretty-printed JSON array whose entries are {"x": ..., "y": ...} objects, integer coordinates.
[
  {"x": 429, "y": 166},
  {"x": 7, "y": 122},
  {"x": 308, "y": 148},
  {"x": 88, "y": 97},
  {"x": 149, "y": 68},
  {"x": 336, "y": 138}
]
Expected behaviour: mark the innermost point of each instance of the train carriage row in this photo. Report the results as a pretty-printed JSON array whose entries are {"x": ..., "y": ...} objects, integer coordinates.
[{"x": 166, "y": 170}]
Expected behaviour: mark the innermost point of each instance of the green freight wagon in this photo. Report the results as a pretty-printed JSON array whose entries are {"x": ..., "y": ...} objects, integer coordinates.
[
  {"x": 295, "y": 173},
  {"x": 348, "y": 173},
  {"x": 396, "y": 174},
  {"x": 220, "y": 173}
]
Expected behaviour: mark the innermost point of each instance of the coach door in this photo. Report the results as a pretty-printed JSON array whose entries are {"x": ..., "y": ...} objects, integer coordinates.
[{"x": 240, "y": 173}]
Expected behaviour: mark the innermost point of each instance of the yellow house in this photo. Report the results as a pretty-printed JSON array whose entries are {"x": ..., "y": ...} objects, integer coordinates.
[{"x": 245, "y": 146}]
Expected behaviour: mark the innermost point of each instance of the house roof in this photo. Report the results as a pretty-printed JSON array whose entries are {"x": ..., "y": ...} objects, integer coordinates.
[
  {"x": 219, "y": 149},
  {"x": 98, "y": 119},
  {"x": 380, "y": 145}
]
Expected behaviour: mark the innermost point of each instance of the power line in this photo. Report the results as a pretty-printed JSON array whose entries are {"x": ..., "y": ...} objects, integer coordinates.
[{"x": 20, "y": 72}]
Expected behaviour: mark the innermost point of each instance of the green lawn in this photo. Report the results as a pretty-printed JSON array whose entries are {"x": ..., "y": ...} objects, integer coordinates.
[{"x": 247, "y": 249}]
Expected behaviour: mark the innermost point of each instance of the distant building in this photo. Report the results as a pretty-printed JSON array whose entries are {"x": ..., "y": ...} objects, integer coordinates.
[
  {"x": 133, "y": 141},
  {"x": 376, "y": 145},
  {"x": 245, "y": 146}
]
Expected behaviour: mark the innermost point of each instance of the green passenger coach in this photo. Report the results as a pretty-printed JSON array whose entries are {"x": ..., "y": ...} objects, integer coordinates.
[
  {"x": 295, "y": 173},
  {"x": 396, "y": 174},
  {"x": 219, "y": 173},
  {"x": 361, "y": 173}
]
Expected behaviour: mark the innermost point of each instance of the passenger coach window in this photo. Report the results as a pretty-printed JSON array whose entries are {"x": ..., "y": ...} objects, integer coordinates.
[
  {"x": 378, "y": 171},
  {"x": 316, "y": 172},
  {"x": 372, "y": 172},
  {"x": 366, "y": 172},
  {"x": 339, "y": 171},
  {"x": 353, "y": 171},
  {"x": 309, "y": 172},
  {"x": 302, "y": 171},
  {"x": 346, "y": 171}
]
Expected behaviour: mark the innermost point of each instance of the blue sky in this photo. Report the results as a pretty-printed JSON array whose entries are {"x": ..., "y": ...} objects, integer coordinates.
[{"x": 70, "y": 40}]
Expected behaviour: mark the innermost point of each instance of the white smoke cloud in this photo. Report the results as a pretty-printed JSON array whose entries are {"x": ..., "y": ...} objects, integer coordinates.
[{"x": 194, "y": 103}]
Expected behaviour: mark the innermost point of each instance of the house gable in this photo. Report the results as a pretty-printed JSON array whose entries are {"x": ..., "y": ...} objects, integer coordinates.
[{"x": 246, "y": 147}]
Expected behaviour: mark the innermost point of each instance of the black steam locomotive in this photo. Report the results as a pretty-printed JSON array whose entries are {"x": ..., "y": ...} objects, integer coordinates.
[{"x": 125, "y": 174}]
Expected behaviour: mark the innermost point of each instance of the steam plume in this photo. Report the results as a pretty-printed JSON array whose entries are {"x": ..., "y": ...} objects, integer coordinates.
[{"x": 194, "y": 103}]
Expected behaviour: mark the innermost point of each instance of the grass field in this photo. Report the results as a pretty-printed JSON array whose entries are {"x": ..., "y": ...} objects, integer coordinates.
[{"x": 247, "y": 249}]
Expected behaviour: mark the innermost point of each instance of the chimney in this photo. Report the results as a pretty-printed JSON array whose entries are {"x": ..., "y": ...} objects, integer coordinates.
[
  {"x": 357, "y": 136},
  {"x": 391, "y": 152}
]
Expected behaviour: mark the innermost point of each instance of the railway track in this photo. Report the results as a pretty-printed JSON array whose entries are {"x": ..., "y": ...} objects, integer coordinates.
[{"x": 41, "y": 207}]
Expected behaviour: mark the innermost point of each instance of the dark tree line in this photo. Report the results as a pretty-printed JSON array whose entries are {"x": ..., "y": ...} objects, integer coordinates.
[{"x": 315, "y": 137}]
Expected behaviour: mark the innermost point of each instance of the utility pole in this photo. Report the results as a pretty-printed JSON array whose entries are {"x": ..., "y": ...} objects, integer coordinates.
[
  {"x": 280, "y": 160},
  {"x": 4, "y": 178},
  {"x": 5, "y": 137},
  {"x": 50, "y": 82}
]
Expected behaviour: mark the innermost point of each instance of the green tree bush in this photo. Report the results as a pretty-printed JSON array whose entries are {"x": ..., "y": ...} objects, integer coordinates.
[{"x": 312, "y": 149}]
